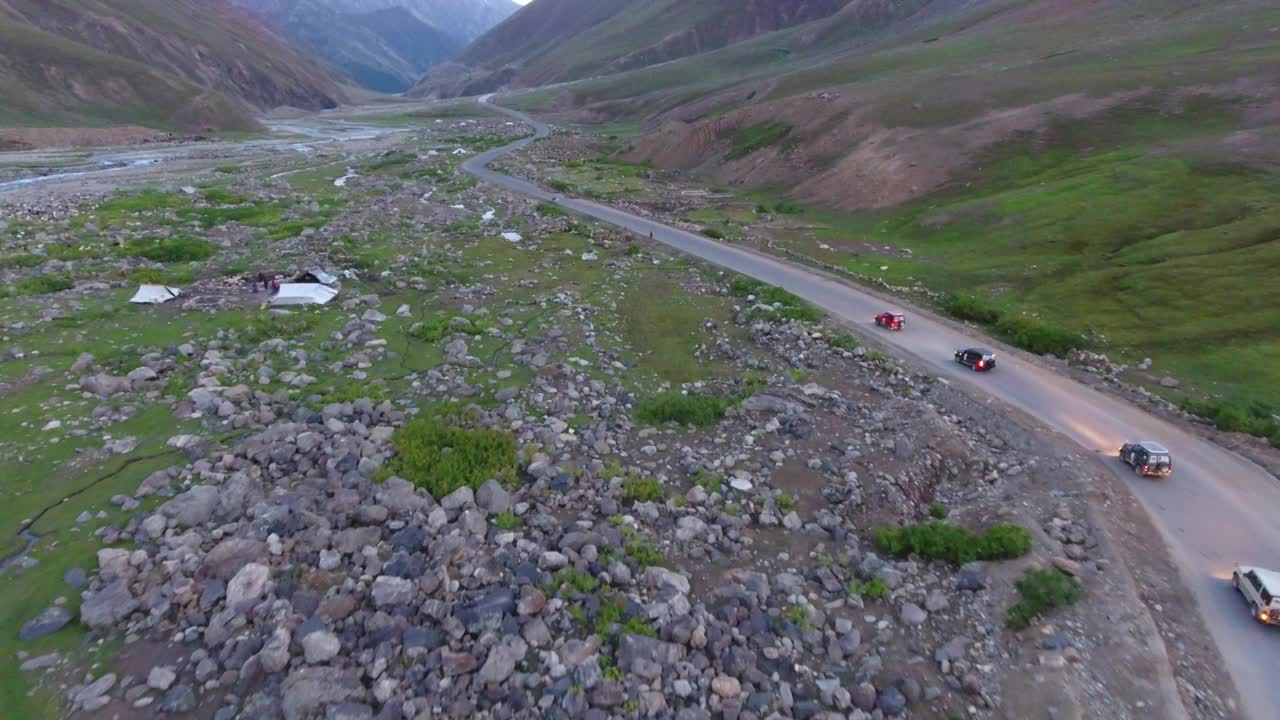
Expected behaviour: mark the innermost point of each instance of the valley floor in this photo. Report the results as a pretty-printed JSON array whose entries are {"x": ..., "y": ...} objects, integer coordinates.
[{"x": 218, "y": 508}]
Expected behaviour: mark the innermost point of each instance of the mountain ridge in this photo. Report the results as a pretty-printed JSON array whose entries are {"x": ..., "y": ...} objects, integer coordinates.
[{"x": 176, "y": 64}]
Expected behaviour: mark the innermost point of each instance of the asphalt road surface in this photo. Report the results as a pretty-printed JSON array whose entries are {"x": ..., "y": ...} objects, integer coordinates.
[{"x": 1217, "y": 508}]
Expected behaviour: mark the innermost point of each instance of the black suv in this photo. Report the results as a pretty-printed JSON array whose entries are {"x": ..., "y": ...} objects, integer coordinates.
[
  {"x": 976, "y": 358},
  {"x": 1147, "y": 458}
]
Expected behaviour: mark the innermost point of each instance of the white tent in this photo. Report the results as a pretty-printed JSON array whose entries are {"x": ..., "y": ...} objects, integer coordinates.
[
  {"x": 316, "y": 275},
  {"x": 154, "y": 294},
  {"x": 303, "y": 294}
]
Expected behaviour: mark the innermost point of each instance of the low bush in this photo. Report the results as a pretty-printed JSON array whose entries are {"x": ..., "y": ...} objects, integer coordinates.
[
  {"x": 873, "y": 589},
  {"x": 754, "y": 137},
  {"x": 1038, "y": 337},
  {"x": 223, "y": 196},
  {"x": 644, "y": 553},
  {"x": 507, "y": 521},
  {"x": 696, "y": 410},
  {"x": 784, "y": 305},
  {"x": 968, "y": 307},
  {"x": 1042, "y": 591},
  {"x": 784, "y": 502},
  {"x": 43, "y": 284},
  {"x": 955, "y": 544},
  {"x": 636, "y": 489},
  {"x": 713, "y": 233},
  {"x": 937, "y": 510},
  {"x": 844, "y": 341},
  {"x": 440, "y": 327},
  {"x": 549, "y": 210},
  {"x": 1257, "y": 419},
  {"x": 265, "y": 326},
  {"x": 169, "y": 250},
  {"x": 21, "y": 261},
  {"x": 442, "y": 458}
]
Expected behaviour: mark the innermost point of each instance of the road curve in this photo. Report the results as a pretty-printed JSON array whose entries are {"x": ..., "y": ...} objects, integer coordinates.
[{"x": 1217, "y": 509}]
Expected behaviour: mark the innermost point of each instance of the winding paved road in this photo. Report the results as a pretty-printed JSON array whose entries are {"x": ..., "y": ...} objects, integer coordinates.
[{"x": 1217, "y": 508}]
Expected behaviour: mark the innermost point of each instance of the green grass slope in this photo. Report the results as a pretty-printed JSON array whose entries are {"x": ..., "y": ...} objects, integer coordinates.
[
  {"x": 1108, "y": 168},
  {"x": 559, "y": 40}
]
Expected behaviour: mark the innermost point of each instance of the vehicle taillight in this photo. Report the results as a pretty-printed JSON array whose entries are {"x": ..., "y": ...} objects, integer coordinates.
[
  {"x": 1263, "y": 616},
  {"x": 1146, "y": 468},
  {"x": 981, "y": 363}
]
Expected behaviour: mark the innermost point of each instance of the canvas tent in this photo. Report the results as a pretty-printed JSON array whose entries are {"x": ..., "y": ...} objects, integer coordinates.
[
  {"x": 303, "y": 294},
  {"x": 154, "y": 294},
  {"x": 316, "y": 275}
]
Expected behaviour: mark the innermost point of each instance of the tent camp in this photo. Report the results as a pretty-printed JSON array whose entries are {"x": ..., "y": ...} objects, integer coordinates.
[
  {"x": 303, "y": 294},
  {"x": 154, "y": 294},
  {"x": 316, "y": 275}
]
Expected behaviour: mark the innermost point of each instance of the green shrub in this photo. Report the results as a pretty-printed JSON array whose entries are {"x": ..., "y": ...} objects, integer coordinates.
[
  {"x": 711, "y": 482},
  {"x": 442, "y": 458},
  {"x": 696, "y": 410},
  {"x": 156, "y": 276},
  {"x": 844, "y": 341},
  {"x": 788, "y": 208},
  {"x": 1257, "y": 418},
  {"x": 785, "y": 502},
  {"x": 636, "y": 625},
  {"x": 438, "y": 328},
  {"x": 169, "y": 250},
  {"x": 293, "y": 228},
  {"x": 223, "y": 196},
  {"x": 573, "y": 581},
  {"x": 968, "y": 307},
  {"x": 560, "y": 185},
  {"x": 785, "y": 305},
  {"x": 644, "y": 553},
  {"x": 635, "y": 489},
  {"x": 714, "y": 233},
  {"x": 1038, "y": 337},
  {"x": 754, "y": 137},
  {"x": 634, "y": 249},
  {"x": 265, "y": 326},
  {"x": 873, "y": 589},
  {"x": 1042, "y": 591},
  {"x": 21, "y": 261},
  {"x": 940, "y": 541},
  {"x": 937, "y": 510},
  {"x": 507, "y": 521},
  {"x": 549, "y": 210},
  {"x": 43, "y": 284}
]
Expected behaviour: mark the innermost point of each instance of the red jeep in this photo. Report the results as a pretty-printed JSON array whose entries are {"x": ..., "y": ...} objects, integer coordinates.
[{"x": 891, "y": 320}]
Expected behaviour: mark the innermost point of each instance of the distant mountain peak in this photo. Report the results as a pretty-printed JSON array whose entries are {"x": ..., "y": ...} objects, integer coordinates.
[{"x": 385, "y": 45}]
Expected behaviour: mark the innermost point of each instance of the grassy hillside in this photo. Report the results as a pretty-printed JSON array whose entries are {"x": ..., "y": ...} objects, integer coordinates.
[
  {"x": 1109, "y": 168},
  {"x": 558, "y": 40}
]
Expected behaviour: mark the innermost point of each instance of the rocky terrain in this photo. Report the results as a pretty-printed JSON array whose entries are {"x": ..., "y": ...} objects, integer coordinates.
[{"x": 522, "y": 465}]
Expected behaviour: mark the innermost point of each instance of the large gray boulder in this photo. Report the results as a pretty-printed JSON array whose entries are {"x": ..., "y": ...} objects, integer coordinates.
[
  {"x": 107, "y": 606},
  {"x": 193, "y": 507},
  {"x": 309, "y": 690}
]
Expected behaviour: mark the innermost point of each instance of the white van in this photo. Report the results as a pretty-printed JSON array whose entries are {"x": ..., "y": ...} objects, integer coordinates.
[{"x": 1261, "y": 589}]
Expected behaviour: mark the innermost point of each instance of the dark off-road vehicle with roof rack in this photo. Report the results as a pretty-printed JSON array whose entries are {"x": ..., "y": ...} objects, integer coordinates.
[
  {"x": 977, "y": 359},
  {"x": 1147, "y": 458}
]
